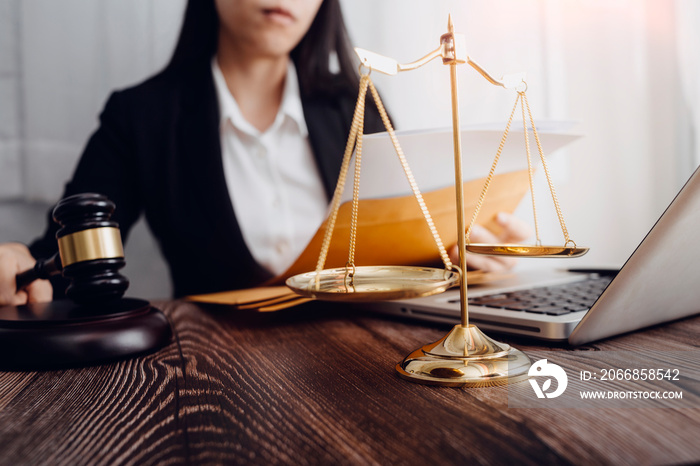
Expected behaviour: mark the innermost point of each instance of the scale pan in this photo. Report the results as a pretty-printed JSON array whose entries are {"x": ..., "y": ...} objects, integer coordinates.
[
  {"x": 373, "y": 283},
  {"x": 520, "y": 250}
]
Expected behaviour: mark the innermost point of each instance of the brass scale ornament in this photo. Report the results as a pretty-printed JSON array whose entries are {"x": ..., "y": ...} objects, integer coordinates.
[{"x": 465, "y": 356}]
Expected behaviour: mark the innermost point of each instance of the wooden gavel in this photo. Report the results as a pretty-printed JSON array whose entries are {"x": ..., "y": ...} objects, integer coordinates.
[{"x": 90, "y": 251}]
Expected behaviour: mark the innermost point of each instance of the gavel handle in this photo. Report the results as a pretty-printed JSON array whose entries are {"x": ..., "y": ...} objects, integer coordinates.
[{"x": 43, "y": 269}]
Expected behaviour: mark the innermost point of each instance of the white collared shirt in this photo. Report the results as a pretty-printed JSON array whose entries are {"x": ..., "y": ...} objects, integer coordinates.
[{"x": 272, "y": 177}]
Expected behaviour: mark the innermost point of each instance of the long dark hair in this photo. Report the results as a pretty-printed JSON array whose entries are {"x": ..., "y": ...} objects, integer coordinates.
[{"x": 326, "y": 39}]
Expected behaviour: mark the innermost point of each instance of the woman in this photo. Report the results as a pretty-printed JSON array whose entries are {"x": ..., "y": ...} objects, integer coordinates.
[{"x": 248, "y": 117}]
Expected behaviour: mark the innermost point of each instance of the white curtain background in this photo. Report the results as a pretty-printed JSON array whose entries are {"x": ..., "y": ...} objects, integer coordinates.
[
  {"x": 688, "y": 44},
  {"x": 59, "y": 61},
  {"x": 625, "y": 70}
]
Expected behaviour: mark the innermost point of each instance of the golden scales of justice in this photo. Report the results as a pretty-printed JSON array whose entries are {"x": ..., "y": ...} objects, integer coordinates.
[{"x": 465, "y": 356}]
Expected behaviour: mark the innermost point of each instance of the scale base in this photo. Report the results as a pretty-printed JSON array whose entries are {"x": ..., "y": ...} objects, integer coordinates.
[
  {"x": 61, "y": 334},
  {"x": 465, "y": 357}
]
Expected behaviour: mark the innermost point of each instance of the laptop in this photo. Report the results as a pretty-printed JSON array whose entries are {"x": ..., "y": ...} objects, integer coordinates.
[{"x": 660, "y": 282}]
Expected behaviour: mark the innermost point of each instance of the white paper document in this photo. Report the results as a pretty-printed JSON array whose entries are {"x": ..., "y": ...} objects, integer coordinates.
[{"x": 430, "y": 155}]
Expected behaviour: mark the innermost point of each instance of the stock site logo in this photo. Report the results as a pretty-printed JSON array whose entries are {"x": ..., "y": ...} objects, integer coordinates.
[{"x": 544, "y": 369}]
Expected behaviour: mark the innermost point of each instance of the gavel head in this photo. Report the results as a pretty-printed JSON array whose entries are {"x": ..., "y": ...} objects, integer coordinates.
[{"x": 90, "y": 247}]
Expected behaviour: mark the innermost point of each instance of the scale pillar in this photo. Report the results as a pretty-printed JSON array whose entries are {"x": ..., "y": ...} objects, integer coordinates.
[{"x": 465, "y": 356}]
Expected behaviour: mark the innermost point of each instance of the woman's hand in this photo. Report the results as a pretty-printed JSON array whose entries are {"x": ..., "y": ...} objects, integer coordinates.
[
  {"x": 514, "y": 231},
  {"x": 15, "y": 258}
]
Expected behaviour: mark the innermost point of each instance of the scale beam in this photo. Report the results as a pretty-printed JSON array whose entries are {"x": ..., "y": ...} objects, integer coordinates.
[{"x": 391, "y": 67}]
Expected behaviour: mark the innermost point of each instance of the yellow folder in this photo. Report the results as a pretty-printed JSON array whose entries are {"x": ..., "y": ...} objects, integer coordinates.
[{"x": 393, "y": 231}]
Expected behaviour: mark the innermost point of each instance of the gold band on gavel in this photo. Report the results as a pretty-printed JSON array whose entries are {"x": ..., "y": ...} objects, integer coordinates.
[{"x": 86, "y": 245}]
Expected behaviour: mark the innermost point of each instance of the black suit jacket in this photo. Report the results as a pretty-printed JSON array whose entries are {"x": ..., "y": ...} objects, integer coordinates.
[{"x": 157, "y": 151}]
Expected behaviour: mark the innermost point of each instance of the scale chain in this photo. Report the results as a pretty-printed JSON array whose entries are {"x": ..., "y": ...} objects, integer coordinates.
[
  {"x": 355, "y": 143},
  {"x": 530, "y": 170},
  {"x": 409, "y": 175},
  {"x": 350, "y": 265},
  {"x": 546, "y": 172},
  {"x": 522, "y": 99},
  {"x": 340, "y": 186},
  {"x": 489, "y": 178}
]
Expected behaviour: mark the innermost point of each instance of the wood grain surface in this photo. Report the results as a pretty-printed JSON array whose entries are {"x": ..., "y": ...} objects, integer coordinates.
[{"x": 316, "y": 385}]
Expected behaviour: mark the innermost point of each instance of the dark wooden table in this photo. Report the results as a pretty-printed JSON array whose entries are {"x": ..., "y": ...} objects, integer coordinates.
[{"x": 316, "y": 385}]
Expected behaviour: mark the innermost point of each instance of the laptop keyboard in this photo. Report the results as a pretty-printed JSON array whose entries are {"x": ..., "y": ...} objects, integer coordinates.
[{"x": 552, "y": 300}]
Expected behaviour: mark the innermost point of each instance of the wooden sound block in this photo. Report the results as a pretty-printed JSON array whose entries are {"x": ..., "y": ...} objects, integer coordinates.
[{"x": 63, "y": 334}]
